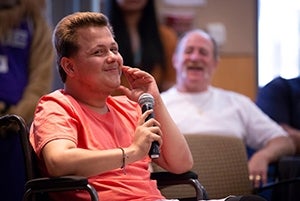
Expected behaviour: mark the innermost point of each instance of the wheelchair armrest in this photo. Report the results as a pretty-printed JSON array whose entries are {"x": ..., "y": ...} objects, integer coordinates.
[
  {"x": 165, "y": 179},
  {"x": 54, "y": 184}
]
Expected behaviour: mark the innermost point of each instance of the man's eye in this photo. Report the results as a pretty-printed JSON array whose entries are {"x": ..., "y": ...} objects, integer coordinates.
[
  {"x": 203, "y": 52},
  {"x": 99, "y": 52},
  {"x": 114, "y": 50},
  {"x": 188, "y": 50}
]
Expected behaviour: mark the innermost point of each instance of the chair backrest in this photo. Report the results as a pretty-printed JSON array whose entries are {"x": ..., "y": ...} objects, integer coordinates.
[
  {"x": 221, "y": 164},
  {"x": 15, "y": 168}
]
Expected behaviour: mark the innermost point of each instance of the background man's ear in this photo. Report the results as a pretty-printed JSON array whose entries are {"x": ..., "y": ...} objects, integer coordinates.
[{"x": 67, "y": 65}]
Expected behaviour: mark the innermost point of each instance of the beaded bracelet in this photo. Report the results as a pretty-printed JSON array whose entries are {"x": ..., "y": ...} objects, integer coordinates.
[{"x": 124, "y": 156}]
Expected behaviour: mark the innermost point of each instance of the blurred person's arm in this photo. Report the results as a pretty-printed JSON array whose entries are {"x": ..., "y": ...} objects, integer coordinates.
[
  {"x": 275, "y": 100},
  {"x": 294, "y": 134},
  {"x": 271, "y": 152},
  {"x": 40, "y": 71}
]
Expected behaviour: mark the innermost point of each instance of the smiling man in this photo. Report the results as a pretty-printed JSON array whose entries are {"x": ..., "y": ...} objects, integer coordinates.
[
  {"x": 83, "y": 130},
  {"x": 197, "y": 107}
]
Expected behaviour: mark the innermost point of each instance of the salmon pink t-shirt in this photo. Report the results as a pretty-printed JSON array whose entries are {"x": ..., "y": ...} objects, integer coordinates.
[{"x": 59, "y": 116}]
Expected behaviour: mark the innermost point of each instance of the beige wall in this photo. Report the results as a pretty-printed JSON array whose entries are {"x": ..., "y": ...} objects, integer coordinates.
[{"x": 237, "y": 70}]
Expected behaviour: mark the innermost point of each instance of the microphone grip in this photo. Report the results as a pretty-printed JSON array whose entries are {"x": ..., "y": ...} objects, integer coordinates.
[{"x": 154, "y": 149}]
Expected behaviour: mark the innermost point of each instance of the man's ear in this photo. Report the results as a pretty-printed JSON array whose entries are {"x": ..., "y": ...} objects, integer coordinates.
[{"x": 68, "y": 66}]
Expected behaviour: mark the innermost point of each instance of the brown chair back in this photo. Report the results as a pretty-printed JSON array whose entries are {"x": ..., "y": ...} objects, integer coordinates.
[{"x": 221, "y": 164}]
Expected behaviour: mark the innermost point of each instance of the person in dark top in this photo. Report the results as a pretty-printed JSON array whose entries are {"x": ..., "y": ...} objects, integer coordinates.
[
  {"x": 280, "y": 100},
  {"x": 26, "y": 56}
]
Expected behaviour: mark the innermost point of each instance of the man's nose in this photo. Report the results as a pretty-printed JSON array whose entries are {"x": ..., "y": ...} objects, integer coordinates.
[
  {"x": 112, "y": 56},
  {"x": 195, "y": 55}
]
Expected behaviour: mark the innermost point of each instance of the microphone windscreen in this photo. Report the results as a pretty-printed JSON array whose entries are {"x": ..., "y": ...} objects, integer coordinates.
[{"x": 146, "y": 98}]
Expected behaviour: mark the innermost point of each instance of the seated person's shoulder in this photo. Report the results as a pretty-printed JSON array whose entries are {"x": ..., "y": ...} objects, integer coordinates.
[
  {"x": 276, "y": 87},
  {"x": 229, "y": 93},
  {"x": 277, "y": 82},
  {"x": 295, "y": 81},
  {"x": 167, "y": 33}
]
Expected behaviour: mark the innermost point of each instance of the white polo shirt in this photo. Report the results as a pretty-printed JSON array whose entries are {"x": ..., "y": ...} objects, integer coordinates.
[{"x": 224, "y": 112}]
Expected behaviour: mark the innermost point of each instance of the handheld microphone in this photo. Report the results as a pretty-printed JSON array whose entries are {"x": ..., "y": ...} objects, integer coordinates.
[{"x": 146, "y": 101}]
